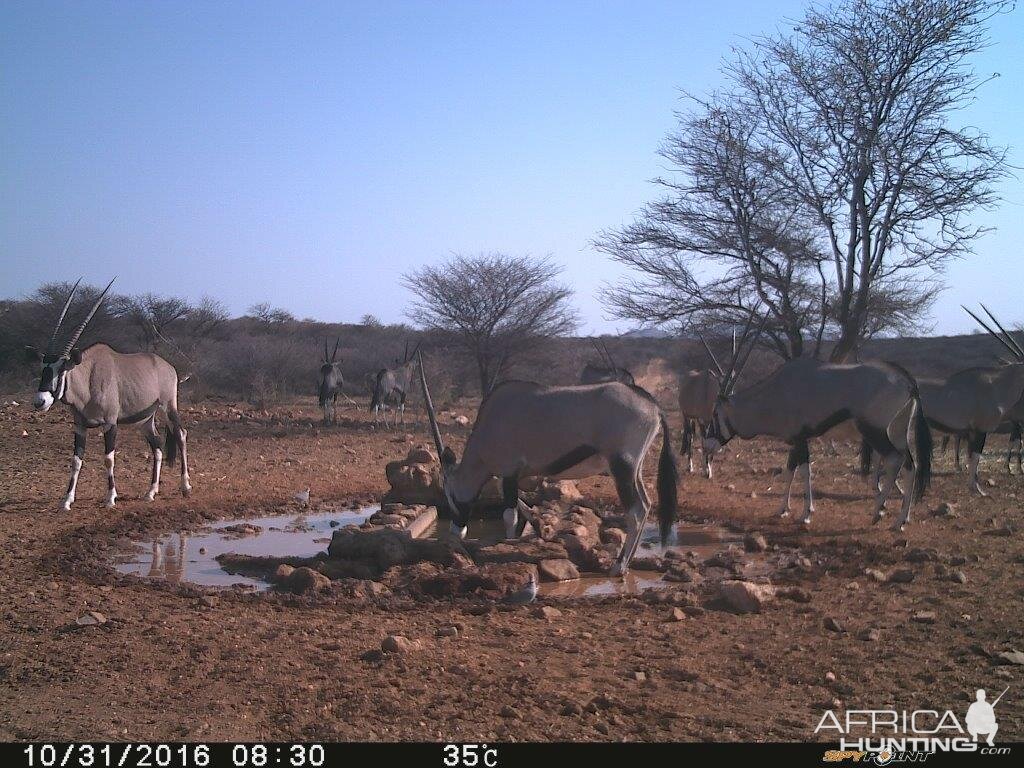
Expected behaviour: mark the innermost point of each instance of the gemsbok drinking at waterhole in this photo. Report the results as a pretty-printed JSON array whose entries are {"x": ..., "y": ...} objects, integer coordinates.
[
  {"x": 527, "y": 430},
  {"x": 105, "y": 389}
]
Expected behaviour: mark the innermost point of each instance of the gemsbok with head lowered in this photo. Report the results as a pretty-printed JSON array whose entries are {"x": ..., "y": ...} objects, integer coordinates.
[
  {"x": 805, "y": 398},
  {"x": 105, "y": 389},
  {"x": 392, "y": 385},
  {"x": 528, "y": 430}
]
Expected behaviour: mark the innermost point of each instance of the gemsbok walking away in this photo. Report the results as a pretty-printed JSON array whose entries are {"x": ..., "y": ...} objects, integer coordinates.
[
  {"x": 330, "y": 384},
  {"x": 805, "y": 398},
  {"x": 527, "y": 430},
  {"x": 392, "y": 386},
  {"x": 105, "y": 389}
]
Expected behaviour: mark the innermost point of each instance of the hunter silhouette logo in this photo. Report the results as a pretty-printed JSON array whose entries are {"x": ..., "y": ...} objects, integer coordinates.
[{"x": 981, "y": 717}]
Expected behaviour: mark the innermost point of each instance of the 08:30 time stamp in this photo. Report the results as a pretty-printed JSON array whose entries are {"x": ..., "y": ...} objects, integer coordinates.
[{"x": 173, "y": 755}]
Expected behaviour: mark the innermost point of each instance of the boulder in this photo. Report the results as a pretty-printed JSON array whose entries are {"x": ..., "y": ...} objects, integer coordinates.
[
  {"x": 746, "y": 596},
  {"x": 413, "y": 483},
  {"x": 399, "y": 644},
  {"x": 305, "y": 579},
  {"x": 421, "y": 454},
  {"x": 557, "y": 570}
]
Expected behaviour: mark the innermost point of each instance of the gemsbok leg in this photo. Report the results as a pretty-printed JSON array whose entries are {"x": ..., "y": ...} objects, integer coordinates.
[
  {"x": 624, "y": 472},
  {"x": 975, "y": 446},
  {"x": 109, "y": 441},
  {"x": 77, "y": 457},
  {"x": 153, "y": 438},
  {"x": 178, "y": 442}
]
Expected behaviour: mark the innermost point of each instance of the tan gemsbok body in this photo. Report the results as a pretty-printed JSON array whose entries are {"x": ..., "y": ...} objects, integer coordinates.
[
  {"x": 698, "y": 391},
  {"x": 805, "y": 398},
  {"x": 527, "y": 430},
  {"x": 105, "y": 389}
]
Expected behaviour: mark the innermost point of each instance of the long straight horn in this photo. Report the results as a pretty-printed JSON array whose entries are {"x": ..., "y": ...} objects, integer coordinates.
[
  {"x": 60, "y": 320},
  {"x": 750, "y": 349},
  {"x": 611, "y": 360},
  {"x": 714, "y": 360},
  {"x": 1006, "y": 334},
  {"x": 416, "y": 350},
  {"x": 78, "y": 331},
  {"x": 430, "y": 409},
  {"x": 600, "y": 353},
  {"x": 405, "y": 354},
  {"x": 334, "y": 354},
  {"x": 727, "y": 381},
  {"x": 995, "y": 335},
  {"x": 325, "y": 349}
]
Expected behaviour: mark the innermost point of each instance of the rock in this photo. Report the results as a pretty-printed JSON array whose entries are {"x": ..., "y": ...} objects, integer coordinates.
[
  {"x": 528, "y": 551},
  {"x": 557, "y": 570},
  {"x": 24, "y": 433},
  {"x": 647, "y": 563},
  {"x": 921, "y": 555},
  {"x": 746, "y": 596},
  {"x": 398, "y": 644},
  {"x": 901, "y": 576},
  {"x": 924, "y": 617},
  {"x": 677, "y": 614},
  {"x": 451, "y": 631},
  {"x": 510, "y": 713},
  {"x": 796, "y": 594},
  {"x": 283, "y": 572},
  {"x": 461, "y": 420},
  {"x": 958, "y": 576},
  {"x": 1009, "y": 657},
  {"x": 571, "y": 709},
  {"x": 755, "y": 542},
  {"x": 601, "y": 727},
  {"x": 640, "y": 677},
  {"x": 559, "y": 490},
  {"x": 374, "y": 654},
  {"x": 304, "y": 579},
  {"x": 833, "y": 625},
  {"x": 209, "y": 601},
  {"x": 945, "y": 509},
  {"x": 421, "y": 454},
  {"x": 91, "y": 619},
  {"x": 876, "y": 575},
  {"x": 990, "y": 483},
  {"x": 868, "y": 634},
  {"x": 614, "y": 536},
  {"x": 830, "y": 677},
  {"x": 546, "y": 612}
]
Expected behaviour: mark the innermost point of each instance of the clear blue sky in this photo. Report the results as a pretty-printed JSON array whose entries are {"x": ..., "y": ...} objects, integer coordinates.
[{"x": 310, "y": 153}]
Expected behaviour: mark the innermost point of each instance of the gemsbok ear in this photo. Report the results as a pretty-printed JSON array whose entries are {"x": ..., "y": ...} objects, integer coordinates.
[
  {"x": 33, "y": 355},
  {"x": 75, "y": 356},
  {"x": 448, "y": 458}
]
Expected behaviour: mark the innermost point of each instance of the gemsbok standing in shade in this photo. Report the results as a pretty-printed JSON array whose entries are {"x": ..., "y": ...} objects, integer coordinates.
[
  {"x": 105, "y": 389},
  {"x": 805, "y": 398},
  {"x": 392, "y": 385},
  {"x": 528, "y": 430}
]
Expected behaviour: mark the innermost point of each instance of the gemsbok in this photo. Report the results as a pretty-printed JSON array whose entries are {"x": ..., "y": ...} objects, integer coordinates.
[
  {"x": 805, "y": 398},
  {"x": 606, "y": 370},
  {"x": 527, "y": 430},
  {"x": 105, "y": 389},
  {"x": 330, "y": 384},
  {"x": 392, "y": 385},
  {"x": 974, "y": 402}
]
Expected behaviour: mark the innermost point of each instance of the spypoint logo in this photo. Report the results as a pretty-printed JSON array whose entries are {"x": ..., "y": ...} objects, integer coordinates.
[{"x": 894, "y": 736}]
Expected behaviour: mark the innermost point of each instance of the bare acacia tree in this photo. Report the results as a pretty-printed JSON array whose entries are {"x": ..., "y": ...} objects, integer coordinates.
[
  {"x": 827, "y": 185},
  {"x": 496, "y": 307},
  {"x": 269, "y": 316},
  {"x": 151, "y": 316}
]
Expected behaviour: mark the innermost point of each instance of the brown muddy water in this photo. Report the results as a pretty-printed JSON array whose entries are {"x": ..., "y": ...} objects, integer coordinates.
[{"x": 192, "y": 557}]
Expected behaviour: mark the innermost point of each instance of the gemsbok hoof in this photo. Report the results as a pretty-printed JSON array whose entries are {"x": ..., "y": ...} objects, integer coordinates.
[
  {"x": 783, "y": 513},
  {"x": 619, "y": 569},
  {"x": 149, "y": 496},
  {"x": 878, "y": 518},
  {"x": 899, "y": 527}
]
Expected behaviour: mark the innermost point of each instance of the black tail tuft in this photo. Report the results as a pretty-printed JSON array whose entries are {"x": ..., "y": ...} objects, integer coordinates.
[
  {"x": 170, "y": 446},
  {"x": 923, "y": 447},
  {"x": 668, "y": 479},
  {"x": 378, "y": 390},
  {"x": 687, "y": 444},
  {"x": 865, "y": 458}
]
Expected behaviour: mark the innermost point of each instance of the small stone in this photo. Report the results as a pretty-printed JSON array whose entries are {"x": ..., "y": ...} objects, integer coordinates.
[
  {"x": 283, "y": 572},
  {"x": 924, "y": 617},
  {"x": 755, "y": 542},
  {"x": 209, "y": 601},
  {"x": 91, "y": 619},
  {"x": 510, "y": 713},
  {"x": 447, "y": 631},
  {"x": 1010, "y": 657},
  {"x": 398, "y": 644},
  {"x": 548, "y": 612},
  {"x": 640, "y": 677},
  {"x": 833, "y": 625},
  {"x": 958, "y": 576},
  {"x": 746, "y": 596},
  {"x": 24, "y": 433},
  {"x": 677, "y": 614},
  {"x": 830, "y": 677},
  {"x": 557, "y": 570},
  {"x": 945, "y": 509},
  {"x": 730, "y": 487},
  {"x": 374, "y": 654},
  {"x": 876, "y": 575},
  {"x": 990, "y": 483},
  {"x": 601, "y": 727},
  {"x": 901, "y": 576},
  {"x": 868, "y": 634}
]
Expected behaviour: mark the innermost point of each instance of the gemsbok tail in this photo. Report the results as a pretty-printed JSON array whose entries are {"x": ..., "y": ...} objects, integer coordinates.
[
  {"x": 378, "y": 390},
  {"x": 170, "y": 446},
  {"x": 923, "y": 447},
  {"x": 865, "y": 457},
  {"x": 668, "y": 478}
]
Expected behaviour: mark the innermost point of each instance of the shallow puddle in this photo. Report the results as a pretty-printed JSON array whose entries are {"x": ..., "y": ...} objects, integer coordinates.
[{"x": 179, "y": 557}]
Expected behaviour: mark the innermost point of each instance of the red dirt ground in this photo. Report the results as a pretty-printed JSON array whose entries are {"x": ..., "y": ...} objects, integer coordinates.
[{"x": 170, "y": 665}]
